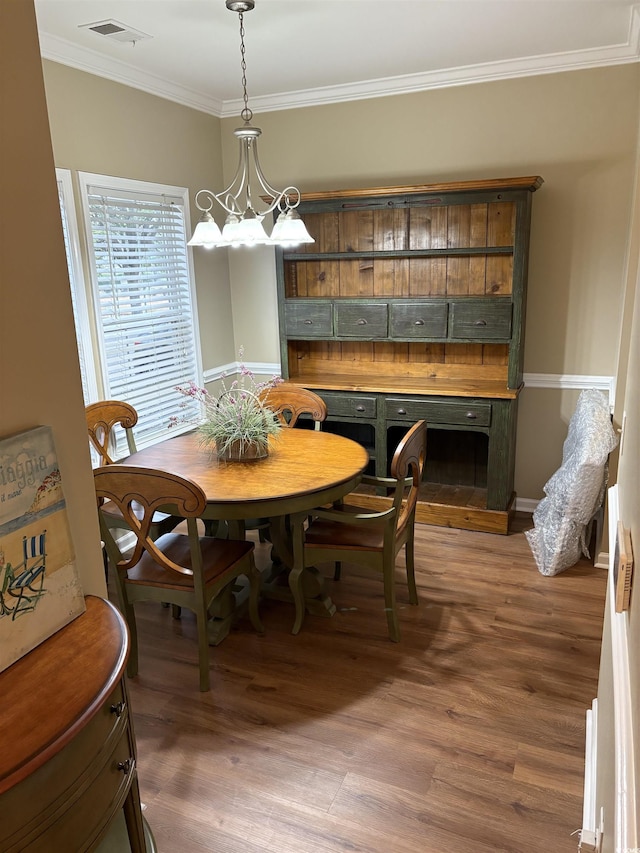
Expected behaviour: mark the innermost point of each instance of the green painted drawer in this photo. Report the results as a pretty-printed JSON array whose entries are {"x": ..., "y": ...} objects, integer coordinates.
[
  {"x": 349, "y": 406},
  {"x": 418, "y": 320},
  {"x": 438, "y": 411},
  {"x": 361, "y": 319},
  {"x": 308, "y": 319},
  {"x": 480, "y": 319}
]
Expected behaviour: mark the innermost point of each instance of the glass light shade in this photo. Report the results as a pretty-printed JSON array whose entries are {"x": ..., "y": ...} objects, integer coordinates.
[
  {"x": 230, "y": 231},
  {"x": 206, "y": 232},
  {"x": 290, "y": 230},
  {"x": 249, "y": 231}
]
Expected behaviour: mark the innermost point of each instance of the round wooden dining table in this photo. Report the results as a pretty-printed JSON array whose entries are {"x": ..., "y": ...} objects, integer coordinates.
[{"x": 304, "y": 469}]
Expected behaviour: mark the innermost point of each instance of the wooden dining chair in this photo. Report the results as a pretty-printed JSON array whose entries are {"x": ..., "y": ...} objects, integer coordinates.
[
  {"x": 349, "y": 533},
  {"x": 103, "y": 418},
  {"x": 289, "y": 402},
  {"x": 186, "y": 570}
]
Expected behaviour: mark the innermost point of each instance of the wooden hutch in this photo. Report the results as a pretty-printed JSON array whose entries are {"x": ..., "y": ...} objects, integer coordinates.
[{"x": 411, "y": 304}]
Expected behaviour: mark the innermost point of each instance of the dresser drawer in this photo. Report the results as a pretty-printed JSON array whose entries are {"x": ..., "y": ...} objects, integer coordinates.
[
  {"x": 308, "y": 319},
  {"x": 418, "y": 320},
  {"x": 345, "y": 405},
  {"x": 438, "y": 411},
  {"x": 361, "y": 319},
  {"x": 50, "y": 794},
  {"x": 81, "y": 819},
  {"x": 480, "y": 319}
]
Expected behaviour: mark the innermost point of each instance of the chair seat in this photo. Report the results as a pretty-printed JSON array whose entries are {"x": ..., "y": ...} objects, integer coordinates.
[
  {"x": 219, "y": 556},
  {"x": 326, "y": 534}
]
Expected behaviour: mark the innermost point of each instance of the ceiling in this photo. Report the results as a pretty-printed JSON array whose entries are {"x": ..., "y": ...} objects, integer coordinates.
[{"x": 309, "y": 52}]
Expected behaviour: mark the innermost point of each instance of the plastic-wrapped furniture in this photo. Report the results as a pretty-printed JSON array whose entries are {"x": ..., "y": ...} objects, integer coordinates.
[{"x": 574, "y": 494}]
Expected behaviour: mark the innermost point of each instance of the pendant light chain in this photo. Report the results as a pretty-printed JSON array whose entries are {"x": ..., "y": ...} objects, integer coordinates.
[
  {"x": 246, "y": 115},
  {"x": 243, "y": 225}
]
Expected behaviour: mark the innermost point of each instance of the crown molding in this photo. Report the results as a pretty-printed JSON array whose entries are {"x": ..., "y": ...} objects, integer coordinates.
[
  {"x": 487, "y": 72},
  {"x": 66, "y": 53}
]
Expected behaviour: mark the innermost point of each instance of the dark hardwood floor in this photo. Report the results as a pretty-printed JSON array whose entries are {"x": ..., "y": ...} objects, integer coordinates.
[{"x": 467, "y": 736}]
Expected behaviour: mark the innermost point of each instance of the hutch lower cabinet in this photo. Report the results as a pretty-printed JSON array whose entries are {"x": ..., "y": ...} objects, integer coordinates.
[{"x": 411, "y": 304}]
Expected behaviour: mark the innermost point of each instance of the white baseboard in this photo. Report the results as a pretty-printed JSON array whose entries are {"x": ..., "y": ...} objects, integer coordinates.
[
  {"x": 526, "y": 505},
  {"x": 590, "y": 822}
]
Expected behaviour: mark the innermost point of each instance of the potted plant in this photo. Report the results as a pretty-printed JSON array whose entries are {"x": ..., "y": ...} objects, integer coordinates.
[{"x": 236, "y": 424}]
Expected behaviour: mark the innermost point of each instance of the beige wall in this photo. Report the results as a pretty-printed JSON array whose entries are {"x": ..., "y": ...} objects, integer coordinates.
[
  {"x": 39, "y": 373},
  {"x": 628, "y": 475},
  {"x": 577, "y": 130},
  {"x": 104, "y": 127},
  {"x": 627, "y": 461}
]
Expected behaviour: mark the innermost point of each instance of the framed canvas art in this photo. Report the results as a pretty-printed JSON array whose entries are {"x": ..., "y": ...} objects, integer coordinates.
[{"x": 39, "y": 587}]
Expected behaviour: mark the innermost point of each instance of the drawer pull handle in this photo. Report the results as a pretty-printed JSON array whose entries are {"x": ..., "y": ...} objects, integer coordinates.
[
  {"x": 127, "y": 766},
  {"x": 362, "y": 322},
  {"x": 480, "y": 323},
  {"x": 117, "y": 709},
  {"x": 360, "y": 408},
  {"x": 419, "y": 323},
  {"x": 471, "y": 416},
  {"x": 402, "y": 411},
  {"x": 308, "y": 322}
]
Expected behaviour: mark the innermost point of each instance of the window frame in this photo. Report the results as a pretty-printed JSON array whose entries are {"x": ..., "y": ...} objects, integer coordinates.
[
  {"x": 78, "y": 286},
  {"x": 135, "y": 189}
]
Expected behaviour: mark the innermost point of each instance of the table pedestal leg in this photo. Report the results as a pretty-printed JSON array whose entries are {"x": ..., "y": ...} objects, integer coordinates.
[{"x": 306, "y": 585}]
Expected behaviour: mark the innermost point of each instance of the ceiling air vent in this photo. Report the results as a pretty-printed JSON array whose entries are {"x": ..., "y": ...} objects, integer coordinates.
[{"x": 116, "y": 31}]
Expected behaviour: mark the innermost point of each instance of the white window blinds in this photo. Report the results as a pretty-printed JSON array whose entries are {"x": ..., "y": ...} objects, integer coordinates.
[{"x": 144, "y": 301}]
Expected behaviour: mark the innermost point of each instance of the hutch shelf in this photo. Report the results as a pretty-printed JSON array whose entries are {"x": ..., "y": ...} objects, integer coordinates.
[{"x": 411, "y": 304}]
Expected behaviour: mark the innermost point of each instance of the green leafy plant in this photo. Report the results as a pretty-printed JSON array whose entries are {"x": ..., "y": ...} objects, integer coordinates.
[{"x": 236, "y": 415}]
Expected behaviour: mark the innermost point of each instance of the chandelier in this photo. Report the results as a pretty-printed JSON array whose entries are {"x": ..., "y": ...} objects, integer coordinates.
[{"x": 243, "y": 225}]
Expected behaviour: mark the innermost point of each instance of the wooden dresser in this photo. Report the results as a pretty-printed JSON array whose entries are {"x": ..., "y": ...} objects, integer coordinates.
[
  {"x": 411, "y": 304},
  {"x": 68, "y": 755}
]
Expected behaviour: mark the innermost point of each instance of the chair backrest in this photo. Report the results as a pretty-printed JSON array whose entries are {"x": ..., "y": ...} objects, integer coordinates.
[
  {"x": 139, "y": 493},
  {"x": 291, "y": 401},
  {"x": 408, "y": 462},
  {"x": 102, "y": 417},
  {"x": 33, "y": 547}
]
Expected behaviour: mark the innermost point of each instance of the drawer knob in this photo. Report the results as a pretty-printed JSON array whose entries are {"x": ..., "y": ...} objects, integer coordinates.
[
  {"x": 308, "y": 322},
  {"x": 480, "y": 323},
  {"x": 360, "y": 408},
  {"x": 127, "y": 766},
  {"x": 362, "y": 322},
  {"x": 117, "y": 709},
  {"x": 402, "y": 411},
  {"x": 471, "y": 416},
  {"x": 419, "y": 323}
]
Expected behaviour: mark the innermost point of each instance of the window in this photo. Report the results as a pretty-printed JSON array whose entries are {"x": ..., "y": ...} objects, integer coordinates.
[{"x": 144, "y": 310}]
